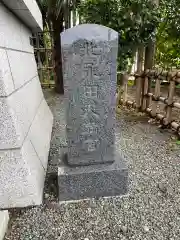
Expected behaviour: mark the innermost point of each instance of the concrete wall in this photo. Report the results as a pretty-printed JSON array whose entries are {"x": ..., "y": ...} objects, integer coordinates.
[
  {"x": 25, "y": 118},
  {"x": 28, "y": 11}
]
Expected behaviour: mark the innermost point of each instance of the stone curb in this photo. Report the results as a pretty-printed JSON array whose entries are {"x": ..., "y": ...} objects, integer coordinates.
[{"x": 4, "y": 219}]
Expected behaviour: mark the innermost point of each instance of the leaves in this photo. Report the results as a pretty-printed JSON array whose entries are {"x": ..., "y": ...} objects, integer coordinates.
[
  {"x": 178, "y": 142},
  {"x": 135, "y": 20},
  {"x": 168, "y": 35}
]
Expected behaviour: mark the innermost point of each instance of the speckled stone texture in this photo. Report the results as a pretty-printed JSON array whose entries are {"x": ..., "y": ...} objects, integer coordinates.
[
  {"x": 25, "y": 119},
  {"x": 93, "y": 181},
  {"x": 23, "y": 169},
  {"x": 89, "y": 65}
]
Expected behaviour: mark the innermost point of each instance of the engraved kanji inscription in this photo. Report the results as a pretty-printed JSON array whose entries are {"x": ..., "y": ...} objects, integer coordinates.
[
  {"x": 91, "y": 91},
  {"x": 91, "y": 145},
  {"x": 91, "y": 128},
  {"x": 89, "y": 67}
]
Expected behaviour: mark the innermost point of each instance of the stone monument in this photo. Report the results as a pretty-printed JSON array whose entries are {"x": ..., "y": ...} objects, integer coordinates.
[{"x": 92, "y": 166}]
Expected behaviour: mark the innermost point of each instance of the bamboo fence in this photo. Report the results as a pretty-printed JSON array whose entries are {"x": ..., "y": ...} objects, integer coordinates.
[
  {"x": 146, "y": 101},
  {"x": 43, "y": 50}
]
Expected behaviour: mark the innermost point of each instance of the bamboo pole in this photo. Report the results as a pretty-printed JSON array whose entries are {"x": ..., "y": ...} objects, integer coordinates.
[
  {"x": 118, "y": 96},
  {"x": 145, "y": 92},
  {"x": 47, "y": 64},
  {"x": 138, "y": 92},
  {"x": 125, "y": 86},
  {"x": 80, "y": 18},
  {"x": 122, "y": 89},
  {"x": 178, "y": 80},
  {"x": 131, "y": 104},
  {"x": 69, "y": 19},
  {"x": 173, "y": 78},
  {"x": 165, "y": 74},
  {"x": 176, "y": 105},
  {"x": 74, "y": 13},
  {"x": 67, "y": 14},
  {"x": 140, "y": 58},
  {"x": 168, "y": 118},
  {"x": 164, "y": 100},
  {"x": 39, "y": 58},
  {"x": 74, "y": 18},
  {"x": 42, "y": 49},
  {"x": 158, "y": 116},
  {"x": 175, "y": 126},
  {"x": 156, "y": 96},
  {"x": 149, "y": 100},
  {"x": 150, "y": 94}
]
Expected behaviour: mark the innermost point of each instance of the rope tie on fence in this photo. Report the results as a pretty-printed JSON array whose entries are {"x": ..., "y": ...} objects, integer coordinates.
[
  {"x": 178, "y": 128},
  {"x": 145, "y": 73},
  {"x": 156, "y": 99},
  {"x": 158, "y": 75},
  {"x": 171, "y": 104},
  {"x": 165, "y": 100},
  {"x": 166, "y": 76},
  {"x": 176, "y": 75},
  {"x": 162, "y": 121},
  {"x": 173, "y": 77}
]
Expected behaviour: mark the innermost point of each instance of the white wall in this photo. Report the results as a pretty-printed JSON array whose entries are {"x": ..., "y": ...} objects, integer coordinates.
[
  {"x": 25, "y": 118},
  {"x": 28, "y": 11}
]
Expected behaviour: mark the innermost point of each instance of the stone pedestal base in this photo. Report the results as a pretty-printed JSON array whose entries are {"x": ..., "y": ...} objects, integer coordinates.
[{"x": 103, "y": 180}]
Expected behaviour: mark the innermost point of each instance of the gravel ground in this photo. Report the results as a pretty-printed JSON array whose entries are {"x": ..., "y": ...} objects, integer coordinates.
[{"x": 151, "y": 210}]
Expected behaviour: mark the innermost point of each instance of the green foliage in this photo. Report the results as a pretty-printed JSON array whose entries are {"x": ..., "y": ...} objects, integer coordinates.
[
  {"x": 130, "y": 83},
  {"x": 168, "y": 35},
  {"x": 135, "y": 20}
]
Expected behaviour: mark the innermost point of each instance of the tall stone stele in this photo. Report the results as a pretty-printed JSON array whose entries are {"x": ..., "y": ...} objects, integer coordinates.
[{"x": 92, "y": 166}]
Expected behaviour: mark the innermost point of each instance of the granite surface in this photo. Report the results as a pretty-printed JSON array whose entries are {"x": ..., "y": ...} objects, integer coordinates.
[
  {"x": 95, "y": 181},
  {"x": 89, "y": 63}
]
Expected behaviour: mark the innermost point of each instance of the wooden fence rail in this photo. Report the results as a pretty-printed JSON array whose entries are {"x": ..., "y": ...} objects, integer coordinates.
[{"x": 147, "y": 101}]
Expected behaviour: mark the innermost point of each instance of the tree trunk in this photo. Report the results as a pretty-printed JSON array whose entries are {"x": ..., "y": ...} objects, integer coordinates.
[
  {"x": 149, "y": 55},
  {"x": 58, "y": 28},
  {"x": 140, "y": 59},
  {"x": 150, "y": 49},
  {"x": 80, "y": 19},
  {"x": 74, "y": 13},
  {"x": 69, "y": 20},
  {"x": 67, "y": 15}
]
